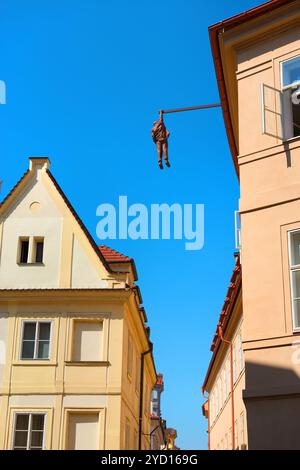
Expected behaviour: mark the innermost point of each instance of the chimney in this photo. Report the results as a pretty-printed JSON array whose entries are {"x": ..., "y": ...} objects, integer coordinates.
[{"x": 39, "y": 163}]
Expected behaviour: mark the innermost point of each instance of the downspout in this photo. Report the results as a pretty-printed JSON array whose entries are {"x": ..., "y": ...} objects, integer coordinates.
[
  {"x": 142, "y": 395},
  {"x": 231, "y": 384},
  {"x": 208, "y": 415}
]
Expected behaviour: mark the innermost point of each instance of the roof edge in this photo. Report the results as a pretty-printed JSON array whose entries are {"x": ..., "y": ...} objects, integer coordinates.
[{"x": 215, "y": 47}]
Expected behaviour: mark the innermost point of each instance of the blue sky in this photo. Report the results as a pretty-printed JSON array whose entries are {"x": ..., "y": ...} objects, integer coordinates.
[{"x": 85, "y": 79}]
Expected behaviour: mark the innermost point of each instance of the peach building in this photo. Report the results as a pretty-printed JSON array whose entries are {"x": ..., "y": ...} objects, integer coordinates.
[
  {"x": 76, "y": 364},
  {"x": 253, "y": 380}
]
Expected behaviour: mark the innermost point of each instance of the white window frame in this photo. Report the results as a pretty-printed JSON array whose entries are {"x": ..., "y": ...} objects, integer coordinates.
[
  {"x": 293, "y": 268},
  {"x": 35, "y": 358},
  {"x": 30, "y": 414}
]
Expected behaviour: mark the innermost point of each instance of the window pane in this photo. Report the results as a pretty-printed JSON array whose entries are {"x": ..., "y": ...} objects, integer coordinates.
[
  {"x": 24, "y": 251},
  {"x": 297, "y": 313},
  {"x": 37, "y": 422},
  {"x": 295, "y": 248},
  {"x": 21, "y": 439},
  {"x": 43, "y": 350},
  {"x": 44, "y": 331},
  {"x": 296, "y": 284},
  {"x": 291, "y": 71},
  {"x": 36, "y": 439},
  {"x": 27, "y": 350},
  {"x": 29, "y": 330},
  {"x": 39, "y": 252},
  {"x": 22, "y": 422}
]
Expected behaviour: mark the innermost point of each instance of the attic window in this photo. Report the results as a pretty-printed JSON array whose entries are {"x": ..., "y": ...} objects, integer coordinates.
[
  {"x": 38, "y": 248},
  {"x": 24, "y": 250},
  {"x": 31, "y": 250}
]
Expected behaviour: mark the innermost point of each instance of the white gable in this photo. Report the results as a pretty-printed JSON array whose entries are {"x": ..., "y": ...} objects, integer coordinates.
[{"x": 39, "y": 211}]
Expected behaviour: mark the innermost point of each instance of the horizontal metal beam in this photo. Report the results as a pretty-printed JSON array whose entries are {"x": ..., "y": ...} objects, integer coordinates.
[{"x": 191, "y": 108}]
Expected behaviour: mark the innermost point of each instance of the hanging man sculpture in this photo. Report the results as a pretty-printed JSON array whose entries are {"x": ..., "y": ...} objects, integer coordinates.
[{"x": 160, "y": 136}]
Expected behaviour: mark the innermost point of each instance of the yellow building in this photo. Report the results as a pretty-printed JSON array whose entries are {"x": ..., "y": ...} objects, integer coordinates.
[
  {"x": 253, "y": 381},
  {"x": 76, "y": 364}
]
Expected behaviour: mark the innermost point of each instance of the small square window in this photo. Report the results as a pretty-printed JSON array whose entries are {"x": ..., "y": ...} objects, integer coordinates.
[{"x": 38, "y": 250}]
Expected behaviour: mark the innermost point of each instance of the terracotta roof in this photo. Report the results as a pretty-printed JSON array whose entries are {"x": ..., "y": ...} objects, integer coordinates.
[
  {"x": 227, "y": 309},
  {"x": 113, "y": 256},
  {"x": 214, "y": 32}
]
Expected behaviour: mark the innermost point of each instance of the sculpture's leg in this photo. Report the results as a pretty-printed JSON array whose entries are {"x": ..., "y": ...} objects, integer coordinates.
[
  {"x": 159, "y": 153},
  {"x": 165, "y": 152}
]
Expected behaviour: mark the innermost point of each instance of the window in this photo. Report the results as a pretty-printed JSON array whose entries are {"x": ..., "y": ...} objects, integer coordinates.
[
  {"x": 129, "y": 356},
  {"x": 29, "y": 431},
  {"x": 36, "y": 340},
  {"x": 24, "y": 250},
  {"x": 281, "y": 108},
  {"x": 224, "y": 385},
  {"x": 38, "y": 248},
  {"x": 213, "y": 407},
  {"x": 240, "y": 353},
  {"x": 87, "y": 341},
  {"x": 217, "y": 400},
  {"x": 146, "y": 399},
  {"x": 230, "y": 439},
  {"x": 31, "y": 250},
  {"x": 294, "y": 254},
  {"x": 137, "y": 373},
  {"x": 242, "y": 431},
  {"x": 234, "y": 362},
  {"x": 220, "y": 392},
  {"x": 236, "y": 434}
]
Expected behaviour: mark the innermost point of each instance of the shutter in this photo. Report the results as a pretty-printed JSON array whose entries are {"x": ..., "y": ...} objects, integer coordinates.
[{"x": 272, "y": 111}]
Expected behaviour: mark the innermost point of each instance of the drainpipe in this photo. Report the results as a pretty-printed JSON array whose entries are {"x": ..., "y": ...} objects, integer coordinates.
[
  {"x": 208, "y": 415},
  {"x": 231, "y": 383},
  {"x": 142, "y": 395}
]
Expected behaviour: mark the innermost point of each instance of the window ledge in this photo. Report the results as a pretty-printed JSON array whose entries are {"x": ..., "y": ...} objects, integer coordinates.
[
  {"x": 34, "y": 362},
  {"x": 31, "y": 264},
  {"x": 88, "y": 363}
]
